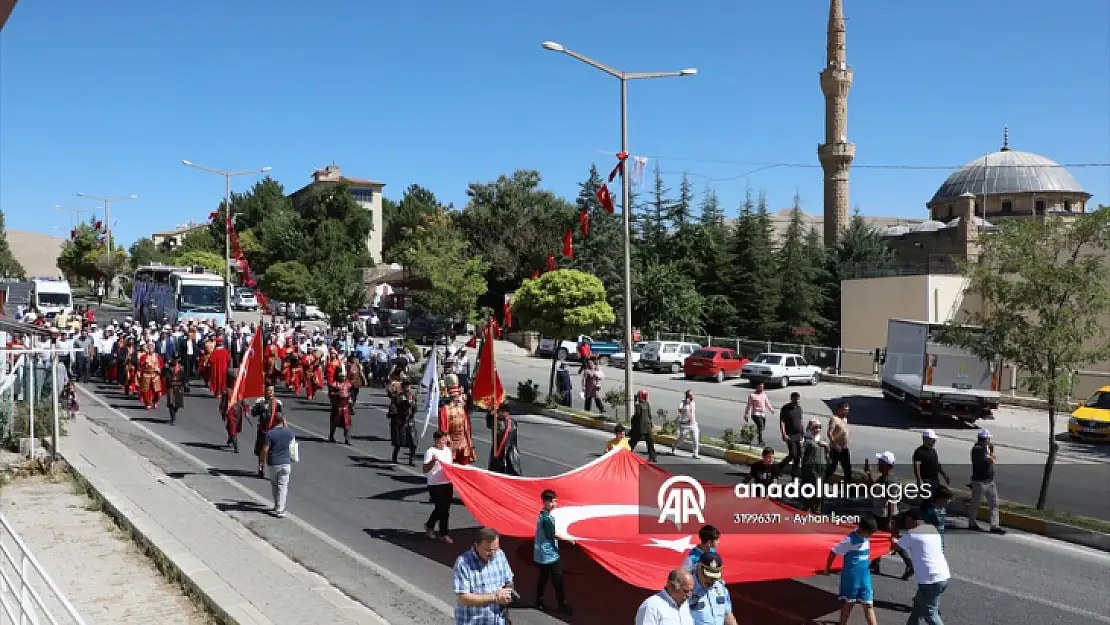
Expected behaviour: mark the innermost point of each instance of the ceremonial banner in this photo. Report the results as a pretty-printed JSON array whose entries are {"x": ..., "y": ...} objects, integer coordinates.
[
  {"x": 487, "y": 390},
  {"x": 250, "y": 383},
  {"x": 613, "y": 506},
  {"x": 430, "y": 384}
]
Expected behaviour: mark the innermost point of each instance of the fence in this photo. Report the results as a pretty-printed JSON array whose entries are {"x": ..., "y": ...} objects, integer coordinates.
[
  {"x": 834, "y": 360},
  {"x": 31, "y": 399},
  {"x": 27, "y": 594},
  {"x": 861, "y": 362}
]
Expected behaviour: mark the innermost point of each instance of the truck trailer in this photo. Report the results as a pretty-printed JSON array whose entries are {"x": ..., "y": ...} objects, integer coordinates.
[{"x": 934, "y": 379}]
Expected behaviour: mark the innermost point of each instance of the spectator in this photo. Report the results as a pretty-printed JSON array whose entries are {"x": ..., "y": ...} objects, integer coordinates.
[
  {"x": 277, "y": 455},
  {"x": 618, "y": 439},
  {"x": 546, "y": 555},
  {"x": 935, "y": 510},
  {"x": 669, "y": 605},
  {"x": 838, "y": 445},
  {"x": 708, "y": 539},
  {"x": 926, "y": 462},
  {"x": 925, "y": 546},
  {"x": 687, "y": 425},
  {"x": 793, "y": 433},
  {"x": 764, "y": 472},
  {"x": 759, "y": 406},
  {"x": 982, "y": 484},
  {"x": 483, "y": 582},
  {"x": 439, "y": 487}
]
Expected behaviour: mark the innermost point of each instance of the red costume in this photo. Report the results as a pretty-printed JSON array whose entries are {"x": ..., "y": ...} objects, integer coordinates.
[
  {"x": 313, "y": 376},
  {"x": 291, "y": 365},
  {"x": 340, "y": 395},
  {"x": 454, "y": 420},
  {"x": 218, "y": 363},
  {"x": 335, "y": 365},
  {"x": 232, "y": 415},
  {"x": 273, "y": 364},
  {"x": 149, "y": 376}
]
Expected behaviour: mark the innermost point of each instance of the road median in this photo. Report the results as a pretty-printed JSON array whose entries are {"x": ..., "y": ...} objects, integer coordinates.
[{"x": 1085, "y": 531}]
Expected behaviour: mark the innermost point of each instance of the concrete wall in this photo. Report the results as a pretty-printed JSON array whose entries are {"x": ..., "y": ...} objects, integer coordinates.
[{"x": 374, "y": 241}]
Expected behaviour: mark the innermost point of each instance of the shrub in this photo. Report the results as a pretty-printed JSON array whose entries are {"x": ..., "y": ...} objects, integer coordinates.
[
  {"x": 730, "y": 438},
  {"x": 555, "y": 399},
  {"x": 528, "y": 392},
  {"x": 666, "y": 425},
  {"x": 748, "y": 434},
  {"x": 44, "y": 424}
]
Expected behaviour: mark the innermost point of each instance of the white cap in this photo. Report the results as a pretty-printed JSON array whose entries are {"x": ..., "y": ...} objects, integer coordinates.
[
  {"x": 929, "y": 434},
  {"x": 984, "y": 433},
  {"x": 886, "y": 458}
]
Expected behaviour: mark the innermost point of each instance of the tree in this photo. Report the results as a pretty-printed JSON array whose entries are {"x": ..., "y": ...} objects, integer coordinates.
[
  {"x": 199, "y": 240},
  {"x": 10, "y": 267},
  {"x": 710, "y": 212},
  {"x": 109, "y": 265},
  {"x": 211, "y": 261},
  {"x": 288, "y": 281},
  {"x": 800, "y": 287},
  {"x": 755, "y": 278},
  {"x": 655, "y": 220},
  {"x": 281, "y": 238},
  {"x": 860, "y": 248},
  {"x": 401, "y": 221},
  {"x": 455, "y": 278},
  {"x": 562, "y": 304},
  {"x": 817, "y": 262},
  {"x": 145, "y": 252},
  {"x": 336, "y": 228},
  {"x": 668, "y": 300},
  {"x": 77, "y": 255},
  {"x": 601, "y": 252},
  {"x": 338, "y": 288},
  {"x": 1043, "y": 289}
]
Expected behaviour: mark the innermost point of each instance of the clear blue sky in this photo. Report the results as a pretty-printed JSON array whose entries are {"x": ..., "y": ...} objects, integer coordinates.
[{"x": 108, "y": 97}]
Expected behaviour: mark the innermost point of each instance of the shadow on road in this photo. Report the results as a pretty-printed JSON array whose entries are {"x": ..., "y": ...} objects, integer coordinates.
[
  {"x": 242, "y": 506},
  {"x": 875, "y": 412},
  {"x": 234, "y": 473},
  {"x": 1083, "y": 449},
  {"x": 212, "y": 446}
]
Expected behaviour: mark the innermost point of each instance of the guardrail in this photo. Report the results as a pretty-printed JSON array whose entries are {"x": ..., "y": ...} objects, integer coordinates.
[{"x": 19, "y": 598}]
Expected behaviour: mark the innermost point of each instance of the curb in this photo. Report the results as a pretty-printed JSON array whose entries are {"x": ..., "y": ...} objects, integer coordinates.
[
  {"x": 1030, "y": 524},
  {"x": 161, "y": 560},
  {"x": 1005, "y": 400}
]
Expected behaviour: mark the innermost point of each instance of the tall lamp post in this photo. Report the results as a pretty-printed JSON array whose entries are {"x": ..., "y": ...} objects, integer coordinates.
[
  {"x": 107, "y": 214},
  {"x": 623, "y": 77},
  {"x": 74, "y": 214},
  {"x": 228, "y": 175}
]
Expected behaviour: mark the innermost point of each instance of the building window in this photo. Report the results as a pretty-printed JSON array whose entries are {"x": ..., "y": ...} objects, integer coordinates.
[
  {"x": 1039, "y": 207},
  {"x": 363, "y": 195},
  {"x": 1067, "y": 206},
  {"x": 1007, "y": 205}
]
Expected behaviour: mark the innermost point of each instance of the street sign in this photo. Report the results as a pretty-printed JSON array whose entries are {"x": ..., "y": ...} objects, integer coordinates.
[{"x": 803, "y": 331}]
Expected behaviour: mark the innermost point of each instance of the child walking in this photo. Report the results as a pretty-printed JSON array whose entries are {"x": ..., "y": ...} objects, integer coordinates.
[
  {"x": 546, "y": 554},
  {"x": 855, "y": 575}
]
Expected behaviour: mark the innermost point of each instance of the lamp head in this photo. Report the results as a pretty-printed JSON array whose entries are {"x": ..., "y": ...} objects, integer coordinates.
[
  {"x": 689, "y": 71},
  {"x": 554, "y": 47},
  {"x": 266, "y": 169},
  {"x": 185, "y": 162},
  {"x": 133, "y": 197}
]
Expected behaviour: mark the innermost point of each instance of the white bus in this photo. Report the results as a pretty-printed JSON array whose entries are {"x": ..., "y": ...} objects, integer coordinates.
[
  {"x": 164, "y": 294},
  {"x": 50, "y": 297}
]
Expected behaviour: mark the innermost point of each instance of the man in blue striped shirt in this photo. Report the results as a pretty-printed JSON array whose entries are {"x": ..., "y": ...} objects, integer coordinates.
[{"x": 483, "y": 582}]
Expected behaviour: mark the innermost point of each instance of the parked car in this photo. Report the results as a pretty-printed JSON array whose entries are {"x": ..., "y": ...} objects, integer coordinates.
[
  {"x": 617, "y": 359},
  {"x": 393, "y": 322},
  {"x": 1091, "y": 420},
  {"x": 244, "y": 300},
  {"x": 311, "y": 311},
  {"x": 717, "y": 363},
  {"x": 565, "y": 350},
  {"x": 780, "y": 370},
  {"x": 666, "y": 355},
  {"x": 429, "y": 330}
]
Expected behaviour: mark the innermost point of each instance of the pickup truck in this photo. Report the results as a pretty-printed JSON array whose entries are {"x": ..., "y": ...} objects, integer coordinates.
[{"x": 568, "y": 350}]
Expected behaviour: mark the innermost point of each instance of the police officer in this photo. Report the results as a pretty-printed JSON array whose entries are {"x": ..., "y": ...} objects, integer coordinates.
[{"x": 710, "y": 603}]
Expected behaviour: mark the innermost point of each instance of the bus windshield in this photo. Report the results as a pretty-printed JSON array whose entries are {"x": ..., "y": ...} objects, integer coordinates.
[
  {"x": 53, "y": 299},
  {"x": 201, "y": 298}
]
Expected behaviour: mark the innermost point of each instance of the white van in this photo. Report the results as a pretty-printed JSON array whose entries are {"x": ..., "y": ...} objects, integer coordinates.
[
  {"x": 50, "y": 297},
  {"x": 666, "y": 355}
]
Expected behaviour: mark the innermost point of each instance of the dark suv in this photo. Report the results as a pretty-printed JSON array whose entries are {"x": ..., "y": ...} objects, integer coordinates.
[
  {"x": 394, "y": 322},
  {"x": 429, "y": 330}
]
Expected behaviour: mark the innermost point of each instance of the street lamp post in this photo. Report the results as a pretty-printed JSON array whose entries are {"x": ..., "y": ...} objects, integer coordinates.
[
  {"x": 228, "y": 175},
  {"x": 107, "y": 214},
  {"x": 623, "y": 77},
  {"x": 74, "y": 214}
]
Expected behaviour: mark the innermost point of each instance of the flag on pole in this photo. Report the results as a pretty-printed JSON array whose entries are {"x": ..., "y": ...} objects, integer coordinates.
[
  {"x": 249, "y": 383},
  {"x": 488, "y": 392},
  {"x": 430, "y": 384}
]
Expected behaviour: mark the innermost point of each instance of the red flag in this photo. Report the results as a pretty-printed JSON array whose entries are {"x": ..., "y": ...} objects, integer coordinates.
[
  {"x": 551, "y": 262},
  {"x": 605, "y": 199},
  {"x": 584, "y": 221},
  {"x": 508, "y": 310},
  {"x": 487, "y": 389},
  {"x": 98, "y": 226},
  {"x": 535, "y": 274},
  {"x": 250, "y": 384},
  {"x": 619, "y": 169},
  {"x": 609, "y": 507},
  {"x": 73, "y": 234},
  {"x": 213, "y": 215},
  {"x": 568, "y": 244},
  {"x": 473, "y": 342}
]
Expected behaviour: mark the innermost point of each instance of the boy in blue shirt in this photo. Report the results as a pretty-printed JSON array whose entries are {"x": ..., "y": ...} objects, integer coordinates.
[
  {"x": 855, "y": 575},
  {"x": 708, "y": 539},
  {"x": 545, "y": 551}
]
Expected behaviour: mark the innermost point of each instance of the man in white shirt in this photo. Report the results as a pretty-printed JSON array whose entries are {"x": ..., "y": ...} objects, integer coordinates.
[
  {"x": 439, "y": 487},
  {"x": 926, "y": 549},
  {"x": 670, "y": 606}
]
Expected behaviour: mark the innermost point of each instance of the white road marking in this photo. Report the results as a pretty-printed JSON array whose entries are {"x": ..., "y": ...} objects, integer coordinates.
[
  {"x": 408, "y": 587},
  {"x": 1101, "y": 618},
  {"x": 1050, "y": 544}
]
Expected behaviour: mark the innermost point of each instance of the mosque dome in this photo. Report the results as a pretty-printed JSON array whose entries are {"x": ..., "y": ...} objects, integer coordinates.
[{"x": 1008, "y": 172}]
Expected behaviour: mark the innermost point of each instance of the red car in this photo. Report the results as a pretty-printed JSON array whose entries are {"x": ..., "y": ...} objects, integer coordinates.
[{"x": 717, "y": 363}]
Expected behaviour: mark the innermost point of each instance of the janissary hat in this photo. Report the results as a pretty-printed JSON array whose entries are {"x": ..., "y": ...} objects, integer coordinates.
[{"x": 454, "y": 390}]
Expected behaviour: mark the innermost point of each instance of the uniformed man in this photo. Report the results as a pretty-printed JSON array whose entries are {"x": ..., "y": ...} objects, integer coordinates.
[{"x": 710, "y": 603}]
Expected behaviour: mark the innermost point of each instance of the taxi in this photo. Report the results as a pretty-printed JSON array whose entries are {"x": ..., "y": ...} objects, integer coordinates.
[{"x": 1091, "y": 420}]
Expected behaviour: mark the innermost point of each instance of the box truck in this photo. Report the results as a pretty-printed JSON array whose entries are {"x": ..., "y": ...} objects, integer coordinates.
[{"x": 934, "y": 379}]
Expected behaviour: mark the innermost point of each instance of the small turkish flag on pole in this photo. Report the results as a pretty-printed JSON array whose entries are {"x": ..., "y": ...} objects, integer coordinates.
[
  {"x": 535, "y": 274},
  {"x": 551, "y": 262},
  {"x": 606, "y": 199},
  {"x": 584, "y": 221},
  {"x": 568, "y": 244}
]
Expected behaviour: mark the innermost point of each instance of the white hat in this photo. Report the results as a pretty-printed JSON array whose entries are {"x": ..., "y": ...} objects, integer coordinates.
[
  {"x": 984, "y": 433},
  {"x": 886, "y": 458},
  {"x": 929, "y": 434}
]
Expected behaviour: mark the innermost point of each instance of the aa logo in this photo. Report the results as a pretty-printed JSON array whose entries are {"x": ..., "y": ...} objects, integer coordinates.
[{"x": 681, "y": 498}]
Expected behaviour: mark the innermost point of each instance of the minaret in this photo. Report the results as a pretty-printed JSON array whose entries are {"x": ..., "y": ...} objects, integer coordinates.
[{"x": 836, "y": 154}]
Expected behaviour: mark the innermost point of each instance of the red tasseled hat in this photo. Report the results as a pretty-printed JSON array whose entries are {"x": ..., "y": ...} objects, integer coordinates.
[
  {"x": 219, "y": 340},
  {"x": 454, "y": 390}
]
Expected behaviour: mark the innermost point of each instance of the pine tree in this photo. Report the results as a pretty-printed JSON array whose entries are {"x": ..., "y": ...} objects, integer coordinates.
[
  {"x": 601, "y": 251},
  {"x": 682, "y": 211},
  {"x": 801, "y": 290},
  {"x": 755, "y": 281},
  {"x": 817, "y": 261},
  {"x": 10, "y": 267},
  {"x": 715, "y": 261},
  {"x": 710, "y": 213},
  {"x": 656, "y": 215}
]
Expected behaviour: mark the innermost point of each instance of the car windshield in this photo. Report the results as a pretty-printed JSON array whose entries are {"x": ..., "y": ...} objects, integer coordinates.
[
  {"x": 54, "y": 299},
  {"x": 768, "y": 359},
  {"x": 201, "y": 298},
  {"x": 638, "y": 347},
  {"x": 704, "y": 353},
  {"x": 1099, "y": 400}
]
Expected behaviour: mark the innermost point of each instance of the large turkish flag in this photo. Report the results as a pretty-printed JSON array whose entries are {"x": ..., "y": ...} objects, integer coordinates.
[{"x": 611, "y": 507}]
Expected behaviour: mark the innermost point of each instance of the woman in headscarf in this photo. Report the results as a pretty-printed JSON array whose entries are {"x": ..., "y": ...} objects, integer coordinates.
[{"x": 642, "y": 427}]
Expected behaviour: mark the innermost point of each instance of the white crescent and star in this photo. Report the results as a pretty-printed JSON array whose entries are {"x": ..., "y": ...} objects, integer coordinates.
[{"x": 566, "y": 516}]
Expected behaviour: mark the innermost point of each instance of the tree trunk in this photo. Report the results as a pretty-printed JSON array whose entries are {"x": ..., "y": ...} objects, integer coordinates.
[
  {"x": 1042, "y": 497},
  {"x": 554, "y": 362}
]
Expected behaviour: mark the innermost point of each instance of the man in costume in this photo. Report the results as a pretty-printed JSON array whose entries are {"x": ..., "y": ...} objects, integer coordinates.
[
  {"x": 265, "y": 411},
  {"x": 232, "y": 415},
  {"x": 402, "y": 420},
  {"x": 504, "y": 455},
  {"x": 313, "y": 376},
  {"x": 357, "y": 379},
  {"x": 291, "y": 356},
  {"x": 454, "y": 420},
  {"x": 339, "y": 392},
  {"x": 273, "y": 363},
  {"x": 125, "y": 367},
  {"x": 219, "y": 361},
  {"x": 205, "y": 366},
  {"x": 334, "y": 366},
  {"x": 150, "y": 377},
  {"x": 175, "y": 377}
]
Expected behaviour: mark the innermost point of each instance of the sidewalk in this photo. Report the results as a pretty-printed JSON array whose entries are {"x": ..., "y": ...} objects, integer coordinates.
[{"x": 240, "y": 576}]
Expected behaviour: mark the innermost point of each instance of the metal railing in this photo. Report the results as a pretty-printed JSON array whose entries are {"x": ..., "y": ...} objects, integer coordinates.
[
  {"x": 835, "y": 360},
  {"x": 21, "y": 601}
]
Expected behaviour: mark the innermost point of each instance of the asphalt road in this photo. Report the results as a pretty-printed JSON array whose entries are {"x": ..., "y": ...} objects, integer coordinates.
[
  {"x": 1080, "y": 483},
  {"x": 349, "y": 506}
]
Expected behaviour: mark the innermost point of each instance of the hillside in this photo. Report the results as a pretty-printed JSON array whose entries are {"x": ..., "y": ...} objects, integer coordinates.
[{"x": 37, "y": 252}]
